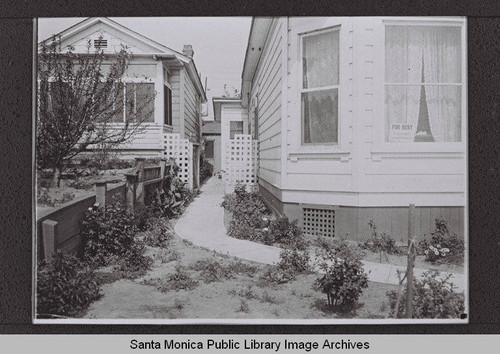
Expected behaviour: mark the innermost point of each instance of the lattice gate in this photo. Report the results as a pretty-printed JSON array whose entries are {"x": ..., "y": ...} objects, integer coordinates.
[
  {"x": 241, "y": 155},
  {"x": 181, "y": 150}
]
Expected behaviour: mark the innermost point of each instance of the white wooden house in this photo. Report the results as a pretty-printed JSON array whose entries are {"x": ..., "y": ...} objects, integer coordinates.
[
  {"x": 359, "y": 117},
  {"x": 154, "y": 70}
]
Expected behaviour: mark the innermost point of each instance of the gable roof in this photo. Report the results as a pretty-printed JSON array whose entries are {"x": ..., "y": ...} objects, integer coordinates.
[{"x": 79, "y": 34}]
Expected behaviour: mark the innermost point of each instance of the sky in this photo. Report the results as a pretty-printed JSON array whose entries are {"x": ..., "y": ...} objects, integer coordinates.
[{"x": 219, "y": 43}]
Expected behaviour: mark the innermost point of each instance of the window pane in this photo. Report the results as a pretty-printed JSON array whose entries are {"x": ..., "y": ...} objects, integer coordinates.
[
  {"x": 320, "y": 116},
  {"x": 117, "y": 106},
  {"x": 235, "y": 128},
  {"x": 436, "y": 50},
  {"x": 320, "y": 60},
  {"x": 140, "y": 102},
  {"x": 209, "y": 149},
  {"x": 167, "y": 93},
  {"x": 419, "y": 113}
]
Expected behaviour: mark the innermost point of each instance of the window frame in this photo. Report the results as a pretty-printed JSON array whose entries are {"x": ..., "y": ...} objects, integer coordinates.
[
  {"x": 301, "y": 90},
  {"x": 125, "y": 82},
  {"x": 380, "y": 144}
]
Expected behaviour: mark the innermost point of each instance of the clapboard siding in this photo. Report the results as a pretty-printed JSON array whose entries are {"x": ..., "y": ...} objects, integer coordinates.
[
  {"x": 267, "y": 85},
  {"x": 191, "y": 111},
  {"x": 176, "y": 113}
]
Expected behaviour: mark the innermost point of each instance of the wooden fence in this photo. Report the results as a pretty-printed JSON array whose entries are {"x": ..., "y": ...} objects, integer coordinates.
[{"x": 60, "y": 228}]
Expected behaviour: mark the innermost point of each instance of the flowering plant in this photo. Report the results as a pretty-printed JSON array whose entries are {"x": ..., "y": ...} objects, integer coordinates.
[
  {"x": 443, "y": 247},
  {"x": 432, "y": 254}
]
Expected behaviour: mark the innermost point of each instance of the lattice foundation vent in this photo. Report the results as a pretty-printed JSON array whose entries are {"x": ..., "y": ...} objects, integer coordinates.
[{"x": 319, "y": 222}]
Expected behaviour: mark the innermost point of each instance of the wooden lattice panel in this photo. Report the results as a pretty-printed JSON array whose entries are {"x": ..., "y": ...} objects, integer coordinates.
[
  {"x": 181, "y": 150},
  {"x": 318, "y": 222},
  {"x": 240, "y": 162}
]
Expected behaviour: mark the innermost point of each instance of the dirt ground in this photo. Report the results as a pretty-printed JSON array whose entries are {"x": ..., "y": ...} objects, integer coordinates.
[{"x": 242, "y": 296}]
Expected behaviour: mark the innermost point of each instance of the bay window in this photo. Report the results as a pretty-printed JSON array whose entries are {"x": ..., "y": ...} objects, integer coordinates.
[
  {"x": 423, "y": 83},
  {"x": 320, "y": 87}
]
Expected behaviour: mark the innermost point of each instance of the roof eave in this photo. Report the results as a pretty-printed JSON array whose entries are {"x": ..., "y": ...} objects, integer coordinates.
[{"x": 256, "y": 39}]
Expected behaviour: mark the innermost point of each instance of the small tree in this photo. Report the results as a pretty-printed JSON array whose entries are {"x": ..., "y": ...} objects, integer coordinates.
[
  {"x": 231, "y": 92},
  {"x": 80, "y": 100}
]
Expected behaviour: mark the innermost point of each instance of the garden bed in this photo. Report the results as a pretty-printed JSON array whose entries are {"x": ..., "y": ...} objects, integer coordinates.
[
  {"x": 74, "y": 188},
  {"x": 242, "y": 294}
]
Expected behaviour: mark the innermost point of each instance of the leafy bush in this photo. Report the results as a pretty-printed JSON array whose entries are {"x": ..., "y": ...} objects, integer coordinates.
[
  {"x": 212, "y": 270},
  {"x": 433, "y": 297},
  {"x": 134, "y": 263},
  {"x": 81, "y": 184},
  {"x": 157, "y": 233},
  {"x": 383, "y": 243},
  {"x": 443, "y": 247},
  {"x": 108, "y": 232},
  {"x": 180, "y": 280},
  {"x": 206, "y": 170},
  {"x": 286, "y": 232},
  {"x": 44, "y": 198},
  {"x": 65, "y": 286},
  {"x": 239, "y": 267},
  {"x": 293, "y": 261},
  {"x": 247, "y": 214},
  {"x": 229, "y": 202},
  {"x": 344, "y": 278}
]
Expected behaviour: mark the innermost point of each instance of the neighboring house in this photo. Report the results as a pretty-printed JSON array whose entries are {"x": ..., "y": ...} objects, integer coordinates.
[
  {"x": 230, "y": 118},
  {"x": 154, "y": 70},
  {"x": 211, "y": 138},
  {"x": 357, "y": 118}
]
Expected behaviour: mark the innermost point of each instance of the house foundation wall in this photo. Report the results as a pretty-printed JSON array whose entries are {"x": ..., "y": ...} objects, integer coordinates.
[{"x": 352, "y": 222}]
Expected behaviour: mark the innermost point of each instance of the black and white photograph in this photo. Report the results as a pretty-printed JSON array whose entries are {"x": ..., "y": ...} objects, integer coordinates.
[{"x": 251, "y": 170}]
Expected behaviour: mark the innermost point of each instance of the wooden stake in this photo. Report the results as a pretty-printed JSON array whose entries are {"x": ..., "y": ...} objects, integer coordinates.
[{"x": 411, "y": 261}]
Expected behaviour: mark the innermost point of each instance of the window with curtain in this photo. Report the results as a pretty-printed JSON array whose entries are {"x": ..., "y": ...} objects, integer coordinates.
[
  {"x": 320, "y": 87},
  {"x": 423, "y": 83},
  {"x": 235, "y": 128}
]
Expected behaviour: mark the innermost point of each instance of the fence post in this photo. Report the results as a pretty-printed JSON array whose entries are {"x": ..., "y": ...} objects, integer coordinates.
[
  {"x": 163, "y": 171},
  {"x": 100, "y": 192},
  {"x": 50, "y": 230},
  {"x": 139, "y": 188},
  {"x": 139, "y": 165},
  {"x": 130, "y": 193},
  {"x": 411, "y": 260}
]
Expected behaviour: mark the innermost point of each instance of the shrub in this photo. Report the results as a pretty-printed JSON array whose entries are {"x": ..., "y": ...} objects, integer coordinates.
[
  {"x": 433, "y": 297},
  {"x": 181, "y": 280},
  {"x": 286, "y": 232},
  {"x": 67, "y": 197},
  {"x": 239, "y": 267},
  {"x": 157, "y": 233},
  {"x": 344, "y": 278},
  {"x": 383, "y": 243},
  {"x": 108, "y": 232},
  {"x": 65, "y": 286},
  {"x": 247, "y": 214},
  {"x": 81, "y": 184},
  {"x": 229, "y": 202},
  {"x": 134, "y": 263},
  {"x": 443, "y": 247},
  {"x": 206, "y": 170},
  {"x": 212, "y": 270},
  {"x": 44, "y": 198}
]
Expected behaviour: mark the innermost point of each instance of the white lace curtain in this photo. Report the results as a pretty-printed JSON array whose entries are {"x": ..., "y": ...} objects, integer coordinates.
[{"x": 431, "y": 53}]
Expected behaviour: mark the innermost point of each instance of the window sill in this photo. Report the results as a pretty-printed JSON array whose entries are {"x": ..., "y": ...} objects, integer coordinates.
[
  {"x": 417, "y": 150},
  {"x": 315, "y": 153}
]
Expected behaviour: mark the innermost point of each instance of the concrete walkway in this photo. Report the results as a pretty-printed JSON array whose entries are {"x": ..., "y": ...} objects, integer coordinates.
[{"x": 203, "y": 224}]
